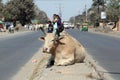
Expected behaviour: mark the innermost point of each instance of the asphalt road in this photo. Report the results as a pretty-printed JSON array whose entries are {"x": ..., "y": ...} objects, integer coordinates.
[
  {"x": 104, "y": 49},
  {"x": 15, "y": 51}
]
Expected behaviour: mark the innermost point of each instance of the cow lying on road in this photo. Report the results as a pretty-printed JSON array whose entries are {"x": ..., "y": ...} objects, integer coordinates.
[{"x": 66, "y": 50}]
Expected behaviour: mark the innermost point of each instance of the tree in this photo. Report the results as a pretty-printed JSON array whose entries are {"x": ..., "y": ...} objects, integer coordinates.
[
  {"x": 99, "y": 5},
  {"x": 40, "y": 15},
  {"x": 72, "y": 19},
  {"x": 21, "y": 10},
  {"x": 1, "y": 9},
  {"x": 113, "y": 10}
]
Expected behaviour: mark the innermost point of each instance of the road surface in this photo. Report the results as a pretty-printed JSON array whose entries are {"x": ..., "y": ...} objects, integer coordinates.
[
  {"x": 15, "y": 51},
  {"x": 104, "y": 49}
]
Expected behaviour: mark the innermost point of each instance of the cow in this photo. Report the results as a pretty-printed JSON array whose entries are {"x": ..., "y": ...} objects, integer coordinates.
[{"x": 65, "y": 50}]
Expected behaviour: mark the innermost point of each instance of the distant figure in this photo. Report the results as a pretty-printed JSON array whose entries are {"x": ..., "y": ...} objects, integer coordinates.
[
  {"x": 11, "y": 28},
  {"x": 57, "y": 24},
  {"x": 60, "y": 24},
  {"x": 50, "y": 27},
  {"x": 96, "y": 24},
  {"x": 1, "y": 27}
]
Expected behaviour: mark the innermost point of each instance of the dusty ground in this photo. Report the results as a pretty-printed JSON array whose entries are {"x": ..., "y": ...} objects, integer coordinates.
[
  {"x": 29, "y": 70},
  {"x": 7, "y": 34},
  {"x": 89, "y": 70},
  {"x": 111, "y": 33}
]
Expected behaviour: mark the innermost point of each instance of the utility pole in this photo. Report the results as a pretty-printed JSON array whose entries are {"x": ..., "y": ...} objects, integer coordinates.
[
  {"x": 85, "y": 13},
  {"x": 60, "y": 11}
]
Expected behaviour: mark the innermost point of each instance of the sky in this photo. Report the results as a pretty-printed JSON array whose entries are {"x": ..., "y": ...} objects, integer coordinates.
[{"x": 69, "y": 8}]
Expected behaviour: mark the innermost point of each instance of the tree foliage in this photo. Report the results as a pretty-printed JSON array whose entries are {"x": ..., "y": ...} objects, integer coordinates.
[
  {"x": 98, "y": 2},
  {"x": 72, "y": 19},
  {"x": 98, "y": 6},
  {"x": 40, "y": 15},
  {"x": 1, "y": 8},
  {"x": 22, "y": 10},
  {"x": 113, "y": 9}
]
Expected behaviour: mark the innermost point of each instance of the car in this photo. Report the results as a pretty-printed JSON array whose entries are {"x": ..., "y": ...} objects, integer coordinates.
[{"x": 68, "y": 25}]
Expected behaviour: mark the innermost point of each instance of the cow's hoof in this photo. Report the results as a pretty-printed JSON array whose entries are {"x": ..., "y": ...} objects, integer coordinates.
[
  {"x": 50, "y": 64},
  {"x": 59, "y": 64}
]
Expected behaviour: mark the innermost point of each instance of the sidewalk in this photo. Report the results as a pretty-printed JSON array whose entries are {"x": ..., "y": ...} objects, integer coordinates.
[
  {"x": 112, "y": 33},
  {"x": 6, "y": 34}
]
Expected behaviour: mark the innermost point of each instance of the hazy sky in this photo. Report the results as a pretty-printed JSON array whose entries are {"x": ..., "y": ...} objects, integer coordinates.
[{"x": 69, "y": 8}]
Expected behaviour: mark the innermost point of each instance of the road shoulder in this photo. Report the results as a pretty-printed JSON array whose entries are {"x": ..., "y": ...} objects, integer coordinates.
[{"x": 115, "y": 34}]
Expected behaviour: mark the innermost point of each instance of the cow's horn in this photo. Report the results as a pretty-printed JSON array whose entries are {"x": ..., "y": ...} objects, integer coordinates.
[{"x": 42, "y": 29}]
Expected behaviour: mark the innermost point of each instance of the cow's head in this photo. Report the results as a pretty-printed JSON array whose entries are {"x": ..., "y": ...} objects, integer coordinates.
[{"x": 50, "y": 42}]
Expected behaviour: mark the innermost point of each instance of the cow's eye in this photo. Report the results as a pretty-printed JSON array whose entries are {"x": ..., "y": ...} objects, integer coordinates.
[{"x": 52, "y": 40}]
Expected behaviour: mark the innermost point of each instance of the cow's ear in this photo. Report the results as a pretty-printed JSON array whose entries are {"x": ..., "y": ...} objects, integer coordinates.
[{"x": 41, "y": 38}]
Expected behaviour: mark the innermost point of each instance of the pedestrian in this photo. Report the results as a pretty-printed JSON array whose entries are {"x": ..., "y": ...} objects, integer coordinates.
[
  {"x": 11, "y": 28},
  {"x": 1, "y": 27},
  {"x": 57, "y": 25},
  {"x": 50, "y": 27},
  {"x": 96, "y": 24}
]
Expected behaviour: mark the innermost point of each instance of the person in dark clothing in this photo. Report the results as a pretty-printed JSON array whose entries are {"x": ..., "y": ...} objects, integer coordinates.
[
  {"x": 57, "y": 24},
  {"x": 58, "y": 21},
  {"x": 96, "y": 24},
  {"x": 60, "y": 25},
  {"x": 50, "y": 27}
]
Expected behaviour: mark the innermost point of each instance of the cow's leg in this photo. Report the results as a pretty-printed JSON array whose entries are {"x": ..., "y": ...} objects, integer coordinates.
[
  {"x": 79, "y": 54},
  {"x": 64, "y": 60},
  {"x": 50, "y": 61}
]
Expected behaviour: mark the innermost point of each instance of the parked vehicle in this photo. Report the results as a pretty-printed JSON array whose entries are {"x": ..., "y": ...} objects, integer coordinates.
[{"x": 84, "y": 27}]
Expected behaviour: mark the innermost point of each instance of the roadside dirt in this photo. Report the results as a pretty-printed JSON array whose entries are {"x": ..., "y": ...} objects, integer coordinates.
[
  {"x": 30, "y": 70},
  {"x": 6, "y": 34},
  {"x": 115, "y": 34}
]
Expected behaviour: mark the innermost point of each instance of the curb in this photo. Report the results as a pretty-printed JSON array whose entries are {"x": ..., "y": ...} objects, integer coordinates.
[{"x": 101, "y": 72}]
